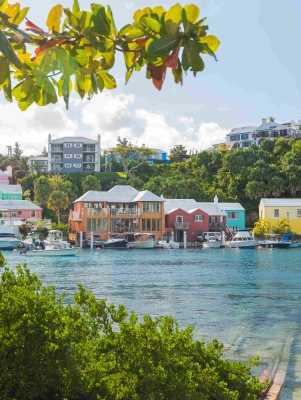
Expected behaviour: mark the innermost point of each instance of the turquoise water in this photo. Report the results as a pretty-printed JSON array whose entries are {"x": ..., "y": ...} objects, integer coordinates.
[{"x": 249, "y": 300}]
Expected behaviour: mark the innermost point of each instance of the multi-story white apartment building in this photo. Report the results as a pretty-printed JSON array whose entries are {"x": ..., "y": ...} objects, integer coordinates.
[{"x": 73, "y": 154}]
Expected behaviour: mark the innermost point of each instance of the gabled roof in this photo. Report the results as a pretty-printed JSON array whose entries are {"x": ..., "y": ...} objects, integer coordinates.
[
  {"x": 231, "y": 206},
  {"x": 241, "y": 130},
  {"x": 120, "y": 194},
  {"x": 210, "y": 208},
  {"x": 146, "y": 195},
  {"x": 271, "y": 126},
  {"x": 190, "y": 205},
  {"x": 11, "y": 189},
  {"x": 281, "y": 202},
  {"x": 18, "y": 205},
  {"x": 77, "y": 139}
]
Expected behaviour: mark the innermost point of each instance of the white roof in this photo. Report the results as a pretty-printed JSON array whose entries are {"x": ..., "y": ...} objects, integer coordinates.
[
  {"x": 120, "y": 194},
  {"x": 231, "y": 206},
  {"x": 77, "y": 139},
  {"x": 18, "y": 205},
  {"x": 11, "y": 189},
  {"x": 270, "y": 126},
  {"x": 240, "y": 130},
  {"x": 2, "y": 173},
  {"x": 190, "y": 205},
  {"x": 281, "y": 202},
  {"x": 38, "y": 158}
]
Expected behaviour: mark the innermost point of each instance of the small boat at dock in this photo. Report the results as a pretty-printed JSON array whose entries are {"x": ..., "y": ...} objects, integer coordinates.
[
  {"x": 272, "y": 241},
  {"x": 241, "y": 240},
  {"x": 142, "y": 241}
]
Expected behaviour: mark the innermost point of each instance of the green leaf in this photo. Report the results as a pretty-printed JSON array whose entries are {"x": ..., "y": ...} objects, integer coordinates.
[
  {"x": 82, "y": 84},
  {"x": 100, "y": 83},
  {"x": 108, "y": 60},
  {"x": 7, "y": 50},
  {"x": 128, "y": 75},
  {"x": 140, "y": 13},
  {"x": 190, "y": 15},
  {"x": 190, "y": 59},
  {"x": 75, "y": 7},
  {"x": 19, "y": 17},
  {"x": 100, "y": 20},
  {"x": 152, "y": 24},
  {"x": 64, "y": 61},
  {"x": 94, "y": 83},
  {"x": 128, "y": 59},
  {"x": 3, "y": 4},
  {"x": 64, "y": 89},
  {"x": 54, "y": 18},
  {"x": 84, "y": 19},
  {"x": 72, "y": 20},
  {"x": 4, "y": 70},
  {"x": 111, "y": 21},
  {"x": 173, "y": 19},
  {"x": 178, "y": 73},
  {"x": 163, "y": 46},
  {"x": 108, "y": 80},
  {"x": 130, "y": 32},
  {"x": 14, "y": 28},
  {"x": 80, "y": 55}
]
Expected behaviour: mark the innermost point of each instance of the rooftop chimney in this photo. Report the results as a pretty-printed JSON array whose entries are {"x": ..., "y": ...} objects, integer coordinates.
[
  {"x": 215, "y": 199},
  {"x": 263, "y": 121}
]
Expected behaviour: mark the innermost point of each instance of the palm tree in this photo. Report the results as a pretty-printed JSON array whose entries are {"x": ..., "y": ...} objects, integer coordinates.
[{"x": 272, "y": 119}]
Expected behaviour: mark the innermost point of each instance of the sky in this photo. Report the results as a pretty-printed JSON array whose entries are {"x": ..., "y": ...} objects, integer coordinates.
[{"x": 257, "y": 76}]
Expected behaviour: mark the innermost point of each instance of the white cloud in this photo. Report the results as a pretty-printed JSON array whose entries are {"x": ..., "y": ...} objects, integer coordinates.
[
  {"x": 211, "y": 133},
  {"x": 31, "y": 128},
  {"x": 186, "y": 120},
  {"x": 109, "y": 116}
]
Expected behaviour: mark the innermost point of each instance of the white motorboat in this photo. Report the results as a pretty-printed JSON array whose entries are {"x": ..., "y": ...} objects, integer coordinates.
[
  {"x": 212, "y": 243},
  {"x": 31, "y": 238},
  {"x": 52, "y": 252},
  {"x": 142, "y": 241},
  {"x": 8, "y": 240},
  {"x": 272, "y": 241},
  {"x": 167, "y": 242},
  {"x": 115, "y": 242},
  {"x": 241, "y": 240}
]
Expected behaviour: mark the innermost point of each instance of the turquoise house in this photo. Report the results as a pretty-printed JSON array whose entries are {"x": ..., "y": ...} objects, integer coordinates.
[
  {"x": 235, "y": 215},
  {"x": 10, "y": 192}
]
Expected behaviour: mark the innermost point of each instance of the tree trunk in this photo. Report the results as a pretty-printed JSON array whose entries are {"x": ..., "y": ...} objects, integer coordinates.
[{"x": 58, "y": 215}]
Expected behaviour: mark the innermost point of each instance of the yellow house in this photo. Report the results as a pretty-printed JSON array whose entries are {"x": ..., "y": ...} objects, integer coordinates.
[{"x": 275, "y": 209}]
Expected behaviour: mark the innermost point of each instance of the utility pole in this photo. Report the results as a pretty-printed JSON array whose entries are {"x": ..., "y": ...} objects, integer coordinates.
[{"x": 9, "y": 152}]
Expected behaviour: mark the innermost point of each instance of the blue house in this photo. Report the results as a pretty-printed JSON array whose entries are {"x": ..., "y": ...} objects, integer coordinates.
[
  {"x": 235, "y": 215},
  {"x": 160, "y": 156}
]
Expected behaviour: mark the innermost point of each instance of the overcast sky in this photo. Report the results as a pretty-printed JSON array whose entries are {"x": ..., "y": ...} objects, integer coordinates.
[{"x": 257, "y": 75}]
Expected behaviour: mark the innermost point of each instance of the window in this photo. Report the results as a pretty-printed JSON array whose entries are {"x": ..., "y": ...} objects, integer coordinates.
[
  {"x": 46, "y": 162},
  {"x": 56, "y": 157},
  {"x": 146, "y": 207},
  {"x": 68, "y": 144},
  {"x": 78, "y": 156},
  {"x": 124, "y": 225},
  {"x": 245, "y": 144},
  {"x": 158, "y": 207},
  {"x": 276, "y": 213},
  {"x": 14, "y": 198},
  {"x": 233, "y": 215},
  {"x": 68, "y": 165},
  {"x": 3, "y": 197},
  {"x": 13, "y": 214},
  {"x": 97, "y": 225},
  {"x": 299, "y": 213},
  {"x": 154, "y": 207},
  {"x": 77, "y": 165},
  {"x": 77, "y": 144},
  {"x": 19, "y": 214},
  {"x": 68, "y": 155},
  {"x": 33, "y": 214},
  {"x": 198, "y": 218},
  {"x": 151, "y": 225},
  {"x": 234, "y": 138},
  {"x": 244, "y": 136}
]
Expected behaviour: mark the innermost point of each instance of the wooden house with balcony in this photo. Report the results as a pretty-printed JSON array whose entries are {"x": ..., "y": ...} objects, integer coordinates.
[{"x": 122, "y": 209}]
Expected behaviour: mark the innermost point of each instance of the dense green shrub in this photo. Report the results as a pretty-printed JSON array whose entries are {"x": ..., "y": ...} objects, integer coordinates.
[{"x": 88, "y": 350}]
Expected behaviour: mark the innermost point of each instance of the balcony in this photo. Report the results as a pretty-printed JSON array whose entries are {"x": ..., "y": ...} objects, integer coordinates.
[
  {"x": 89, "y": 149},
  {"x": 121, "y": 211},
  {"x": 95, "y": 211},
  {"x": 56, "y": 148},
  {"x": 217, "y": 225},
  {"x": 57, "y": 159},
  {"x": 89, "y": 160},
  {"x": 56, "y": 169},
  {"x": 181, "y": 226}
]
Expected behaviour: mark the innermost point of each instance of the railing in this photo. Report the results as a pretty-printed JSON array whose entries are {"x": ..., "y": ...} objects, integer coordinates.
[
  {"x": 56, "y": 169},
  {"x": 121, "y": 211},
  {"x": 220, "y": 225},
  {"x": 89, "y": 148},
  {"x": 56, "y": 148},
  {"x": 95, "y": 211},
  {"x": 181, "y": 225},
  {"x": 58, "y": 160},
  {"x": 89, "y": 160}
]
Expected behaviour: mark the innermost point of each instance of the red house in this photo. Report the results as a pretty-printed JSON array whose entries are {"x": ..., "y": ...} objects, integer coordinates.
[{"x": 193, "y": 217}]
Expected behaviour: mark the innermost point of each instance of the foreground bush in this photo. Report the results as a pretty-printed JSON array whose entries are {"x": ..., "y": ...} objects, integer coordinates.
[{"x": 88, "y": 350}]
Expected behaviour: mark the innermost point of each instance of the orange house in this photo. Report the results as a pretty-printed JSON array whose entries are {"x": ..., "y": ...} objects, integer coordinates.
[{"x": 122, "y": 209}]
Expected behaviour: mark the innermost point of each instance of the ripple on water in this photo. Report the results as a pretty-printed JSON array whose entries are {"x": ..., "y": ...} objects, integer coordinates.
[{"x": 247, "y": 299}]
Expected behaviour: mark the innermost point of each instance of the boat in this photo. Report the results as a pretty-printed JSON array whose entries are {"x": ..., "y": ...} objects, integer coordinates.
[
  {"x": 241, "y": 240},
  {"x": 212, "y": 243},
  {"x": 31, "y": 238},
  {"x": 142, "y": 241},
  {"x": 98, "y": 241},
  {"x": 8, "y": 240},
  {"x": 52, "y": 252},
  {"x": 289, "y": 238},
  {"x": 115, "y": 242},
  {"x": 272, "y": 241},
  {"x": 167, "y": 242}
]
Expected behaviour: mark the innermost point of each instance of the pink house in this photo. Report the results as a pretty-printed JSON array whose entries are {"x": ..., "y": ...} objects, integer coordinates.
[
  {"x": 20, "y": 209},
  {"x": 4, "y": 179},
  {"x": 193, "y": 217}
]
